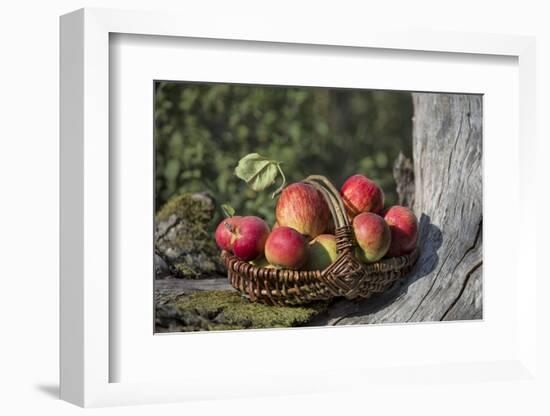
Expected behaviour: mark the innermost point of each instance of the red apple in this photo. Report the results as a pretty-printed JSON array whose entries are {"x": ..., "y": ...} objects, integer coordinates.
[
  {"x": 250, "y": 238},
  {"x": 373, "y": 236},
  {"x": 286, "y": 248},
  {"x": 303, "y": 208},
  {"x": 404, "y": 230},
  {"x": 360, "y": 194},
  {"x": 226, "y": 233},
  {"x": 321, "y": 252}
]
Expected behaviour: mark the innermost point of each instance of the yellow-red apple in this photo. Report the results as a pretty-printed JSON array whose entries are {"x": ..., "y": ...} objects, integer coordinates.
[
  {"x": 373, "y": 236},
  {"x": 404, "y": 230},
  {"x": 303, "y": 208},
  {"x": 226, "y": 233},
  {"x": 321, "y": 252},
  {"x": 360, "y": 194}
]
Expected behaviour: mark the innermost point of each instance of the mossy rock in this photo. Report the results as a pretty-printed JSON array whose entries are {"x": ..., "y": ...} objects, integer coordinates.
[
  {"x": 224, "y": 310},
  {"x": 183, "y": 237}
]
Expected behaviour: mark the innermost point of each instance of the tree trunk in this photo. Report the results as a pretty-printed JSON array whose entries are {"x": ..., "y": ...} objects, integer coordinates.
[{"x": 446, "y": 282}]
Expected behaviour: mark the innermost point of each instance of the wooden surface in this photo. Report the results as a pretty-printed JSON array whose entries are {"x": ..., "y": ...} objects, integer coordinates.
[
  {"x": 187, "y": 286},
  {"x": 446, "y": 283}
]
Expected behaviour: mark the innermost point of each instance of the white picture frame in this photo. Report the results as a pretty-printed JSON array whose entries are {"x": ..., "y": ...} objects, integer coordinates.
[{"x": 86, "y": 301}]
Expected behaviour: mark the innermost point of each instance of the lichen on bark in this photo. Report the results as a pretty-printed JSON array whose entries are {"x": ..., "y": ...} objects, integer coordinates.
[{"x": 183, "y": 237}]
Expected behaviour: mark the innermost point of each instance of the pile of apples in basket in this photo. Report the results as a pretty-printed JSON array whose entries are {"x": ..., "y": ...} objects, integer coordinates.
[{"x": 302, "y": 237}]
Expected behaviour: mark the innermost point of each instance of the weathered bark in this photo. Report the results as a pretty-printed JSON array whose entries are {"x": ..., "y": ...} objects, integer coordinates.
[
  {"x": 173, "y": 287},
  {"x": 446, "y": 282},
  {"x": 403, "y": 172},
  {"x": 184, "y": 246}
]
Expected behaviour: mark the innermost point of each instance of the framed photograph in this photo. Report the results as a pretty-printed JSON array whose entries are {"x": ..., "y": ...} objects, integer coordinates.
[
  {"x": 336, "y": 240},
  {"x": 319, "y": 212}
]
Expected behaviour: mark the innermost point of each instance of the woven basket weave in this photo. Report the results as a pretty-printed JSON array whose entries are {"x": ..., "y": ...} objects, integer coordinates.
[{"x": 347, "y": 276}]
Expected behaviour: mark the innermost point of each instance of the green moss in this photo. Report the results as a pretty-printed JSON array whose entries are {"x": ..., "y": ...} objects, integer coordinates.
[
  {"x": 197, "y": 208},
  {"x": 222, "y": 310}
]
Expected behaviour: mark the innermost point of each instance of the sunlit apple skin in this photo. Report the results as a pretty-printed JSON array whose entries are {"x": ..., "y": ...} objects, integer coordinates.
[
  {"x": 373, "y": 236},
  {"x": 404, "y": 230},
  {"x": 226, "y": 233},
  {"x": 303, "y": 208},
  {"x": 360, "y": 194},
  {"x": 250, "y": 239},
  {"x": 321, "y": 252},
  {"x": 286, "y": 248}
]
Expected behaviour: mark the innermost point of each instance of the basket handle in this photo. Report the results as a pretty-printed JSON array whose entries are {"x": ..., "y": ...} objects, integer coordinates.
[{"x": 344, "y": 233}]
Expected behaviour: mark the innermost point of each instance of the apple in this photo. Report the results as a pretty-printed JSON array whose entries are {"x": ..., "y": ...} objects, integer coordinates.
[
  {"x": 321, "y": 252},
  {"x": 286, "y": 248},
  {"x": 250, "y": 238},
  {"x": 261, "y": 262},
  {"x": 226, "y": 233},
  {"x": 303, "y": 208},
  {"x": 360, "y": 194},
  {"x": 404, "y": 230},
  {"x": 373, "y": 236}
]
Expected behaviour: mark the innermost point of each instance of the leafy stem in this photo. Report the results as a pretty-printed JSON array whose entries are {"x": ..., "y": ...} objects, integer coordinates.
[
  {"x": 283, "y": 182},
  {"x": 260, "y": 172}
]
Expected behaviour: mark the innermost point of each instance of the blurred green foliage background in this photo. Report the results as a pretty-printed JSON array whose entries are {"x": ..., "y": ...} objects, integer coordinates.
[{"x": 202, "y": 130}]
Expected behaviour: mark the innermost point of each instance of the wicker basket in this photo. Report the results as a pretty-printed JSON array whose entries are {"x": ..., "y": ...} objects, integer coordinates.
[{"x": 347, "y": 276}]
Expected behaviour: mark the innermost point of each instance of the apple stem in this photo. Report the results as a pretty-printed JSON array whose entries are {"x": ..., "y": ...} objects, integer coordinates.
[{"x": 283, "y": 183}]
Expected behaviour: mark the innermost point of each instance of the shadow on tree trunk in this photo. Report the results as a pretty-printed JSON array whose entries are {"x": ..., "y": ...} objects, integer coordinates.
[
  {"x": 430, "y": 240},
  {"x": 444, "y": 184}
]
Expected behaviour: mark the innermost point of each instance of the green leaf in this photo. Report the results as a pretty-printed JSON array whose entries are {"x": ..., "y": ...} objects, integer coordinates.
[
  {"x": 228, "y": 210},
  {"x": 259, "y": 172}
]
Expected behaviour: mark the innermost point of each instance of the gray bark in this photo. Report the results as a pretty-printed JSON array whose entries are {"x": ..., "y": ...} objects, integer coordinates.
[
  {"x": 184, "y": 246},
  {"x": 172, "y": 287},
  {"x": 446, "y": 282},
  {"x": 403, "y": 172}
]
